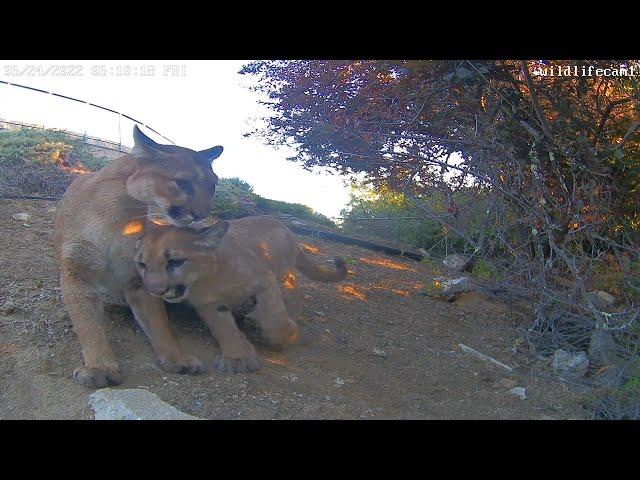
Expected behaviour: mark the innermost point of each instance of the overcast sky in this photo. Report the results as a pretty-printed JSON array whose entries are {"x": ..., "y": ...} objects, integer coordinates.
[{"x": 196, "y": 104}]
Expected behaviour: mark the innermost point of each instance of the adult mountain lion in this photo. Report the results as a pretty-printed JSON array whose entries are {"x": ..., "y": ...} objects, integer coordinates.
[
  {"x": 93, "y": 235},
  {"x": 226, "y": 264}
]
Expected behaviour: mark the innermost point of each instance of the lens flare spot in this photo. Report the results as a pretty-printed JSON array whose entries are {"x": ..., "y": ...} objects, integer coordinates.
[
  {"x": 383, "y": 262},
  {"x": 402, "y": 293},
  {"x": 309, "y": 248},
  {"x": 159, "y": 221},
  {"x": 275, "y": 361},
  {"x": 290, "y": 281},
  {"x": 264, "y": 250},
  {"x": 351, "y": 292},
  {"x": 132, "y": 228}
]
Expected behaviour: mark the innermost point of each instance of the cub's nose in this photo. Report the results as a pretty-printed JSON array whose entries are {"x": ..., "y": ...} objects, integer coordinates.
[{"x": 154, "y": 285}]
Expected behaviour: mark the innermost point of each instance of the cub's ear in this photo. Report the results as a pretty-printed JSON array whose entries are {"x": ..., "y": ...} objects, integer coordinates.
[
  {"x": 143, "y": 146},
  {"x": 211, "y": 154},
  {"x": 211, "y": 237}
]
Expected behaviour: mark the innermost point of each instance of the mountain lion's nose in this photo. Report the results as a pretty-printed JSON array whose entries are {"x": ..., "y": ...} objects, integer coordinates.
[{"x": 155, "y": 285}]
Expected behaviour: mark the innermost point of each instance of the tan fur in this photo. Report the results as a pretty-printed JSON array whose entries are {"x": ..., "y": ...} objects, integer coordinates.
[
  {"x": 226, "y": 265},
  {"x": 94, "y": 245}
]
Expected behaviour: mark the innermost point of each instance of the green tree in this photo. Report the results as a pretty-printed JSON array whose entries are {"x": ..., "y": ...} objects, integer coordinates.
[{"x": 538, "y": 173}]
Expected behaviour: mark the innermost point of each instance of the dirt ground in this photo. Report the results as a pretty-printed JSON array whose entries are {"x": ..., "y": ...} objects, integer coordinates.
[{"x": 374, "y": 349}]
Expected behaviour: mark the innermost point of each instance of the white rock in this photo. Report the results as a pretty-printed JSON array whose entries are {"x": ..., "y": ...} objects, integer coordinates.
[
  {"x": 573, "y": 365},
  {"x": 133, "y": 404},
  {"x": 454, "y": 261},
  {"x": 379, "y": 353},
  {"x": 21, "y": 217},
  {"x": 520, "y": 392}
]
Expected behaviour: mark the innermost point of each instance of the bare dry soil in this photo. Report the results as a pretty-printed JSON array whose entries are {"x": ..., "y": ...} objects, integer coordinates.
[{"x": 374, "y": 349}]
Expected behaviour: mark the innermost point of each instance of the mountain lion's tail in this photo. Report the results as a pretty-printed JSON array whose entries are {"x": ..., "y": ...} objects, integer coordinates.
[{"x": 315, "y": 272}]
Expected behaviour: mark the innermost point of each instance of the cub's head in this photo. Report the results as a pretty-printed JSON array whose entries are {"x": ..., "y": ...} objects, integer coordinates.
[
  {"x": 175, "y": 182},
  {"x": 169, "y": 259}
]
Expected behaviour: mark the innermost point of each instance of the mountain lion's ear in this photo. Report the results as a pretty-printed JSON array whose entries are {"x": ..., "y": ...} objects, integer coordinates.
[
  {"x": 211, "y": 237},
  {"x": 211, "y": 154},
  {"x": 143, "y": 146}
]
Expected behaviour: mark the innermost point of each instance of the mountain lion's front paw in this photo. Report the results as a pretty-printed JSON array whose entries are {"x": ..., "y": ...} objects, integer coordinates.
[
  {"x": 91, "y": 377},
  {"x": 183, "y": 364},
  {"x": 237, "y": 365}
]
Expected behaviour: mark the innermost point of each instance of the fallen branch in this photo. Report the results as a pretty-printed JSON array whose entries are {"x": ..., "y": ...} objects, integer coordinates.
[{"x": 484, "y": 357}]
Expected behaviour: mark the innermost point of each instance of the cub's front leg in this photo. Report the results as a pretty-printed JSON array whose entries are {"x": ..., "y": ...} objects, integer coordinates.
[
  {"x": 238, "y": 355},
  {"x": 151, "y": 314}
]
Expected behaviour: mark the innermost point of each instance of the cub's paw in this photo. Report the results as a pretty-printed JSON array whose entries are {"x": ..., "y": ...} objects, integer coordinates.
[
  {"x": 237, "y": 365},
  {"x": 281, "y": 337},
  {"x": 184, "y": 364},
  {"x": 96, "y": 377}
]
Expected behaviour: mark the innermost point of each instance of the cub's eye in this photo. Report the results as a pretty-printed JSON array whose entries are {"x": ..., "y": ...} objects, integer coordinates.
[
  {"x": 173, "y": 263},
  {"x": 142, "y": 265},
  {"x": 185, "y": 185}
]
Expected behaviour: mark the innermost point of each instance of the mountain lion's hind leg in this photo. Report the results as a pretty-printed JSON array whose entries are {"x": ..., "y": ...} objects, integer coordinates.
[
  {"x": 87, "y": 315},
  {"x": 272, "y": 316}
]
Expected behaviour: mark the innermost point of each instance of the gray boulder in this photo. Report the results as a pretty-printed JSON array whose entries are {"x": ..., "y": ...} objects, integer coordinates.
[
  {"x": 447, "y": 288},
  {"x": 133, "y": 404},
  {"x": 570, "y": 364},
  {"x": 603, "y": 301},
  {"x": 454, "y": 262}
]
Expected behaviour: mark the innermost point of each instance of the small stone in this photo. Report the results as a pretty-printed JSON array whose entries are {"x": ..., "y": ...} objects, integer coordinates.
[
  {"x": 293, "y": 378},
  {"x": 21, "y": 217},
  {"x": 379, "y": 353},
  {"x": 520, "y": 392},
  {"x": 26, "y": 225},
  {"x": 339, "y": 381}
]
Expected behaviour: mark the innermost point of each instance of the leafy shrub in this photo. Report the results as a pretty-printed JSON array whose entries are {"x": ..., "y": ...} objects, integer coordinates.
[
  {"x": 401, "y": 220},
  {"x": 484, "y": 270},
  {"x": 234, "y": 198},
  {"x": 30, "y": 146},
  {"x": 620, "y": 279}
]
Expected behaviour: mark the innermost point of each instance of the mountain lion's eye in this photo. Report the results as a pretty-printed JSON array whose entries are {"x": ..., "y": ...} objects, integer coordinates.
[
  {"x": 175, "y": 263},
  {"x": 185, "y": 186}
]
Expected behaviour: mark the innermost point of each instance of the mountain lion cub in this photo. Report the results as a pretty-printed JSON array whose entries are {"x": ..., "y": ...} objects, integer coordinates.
[{"x": 226, "y": 264}]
